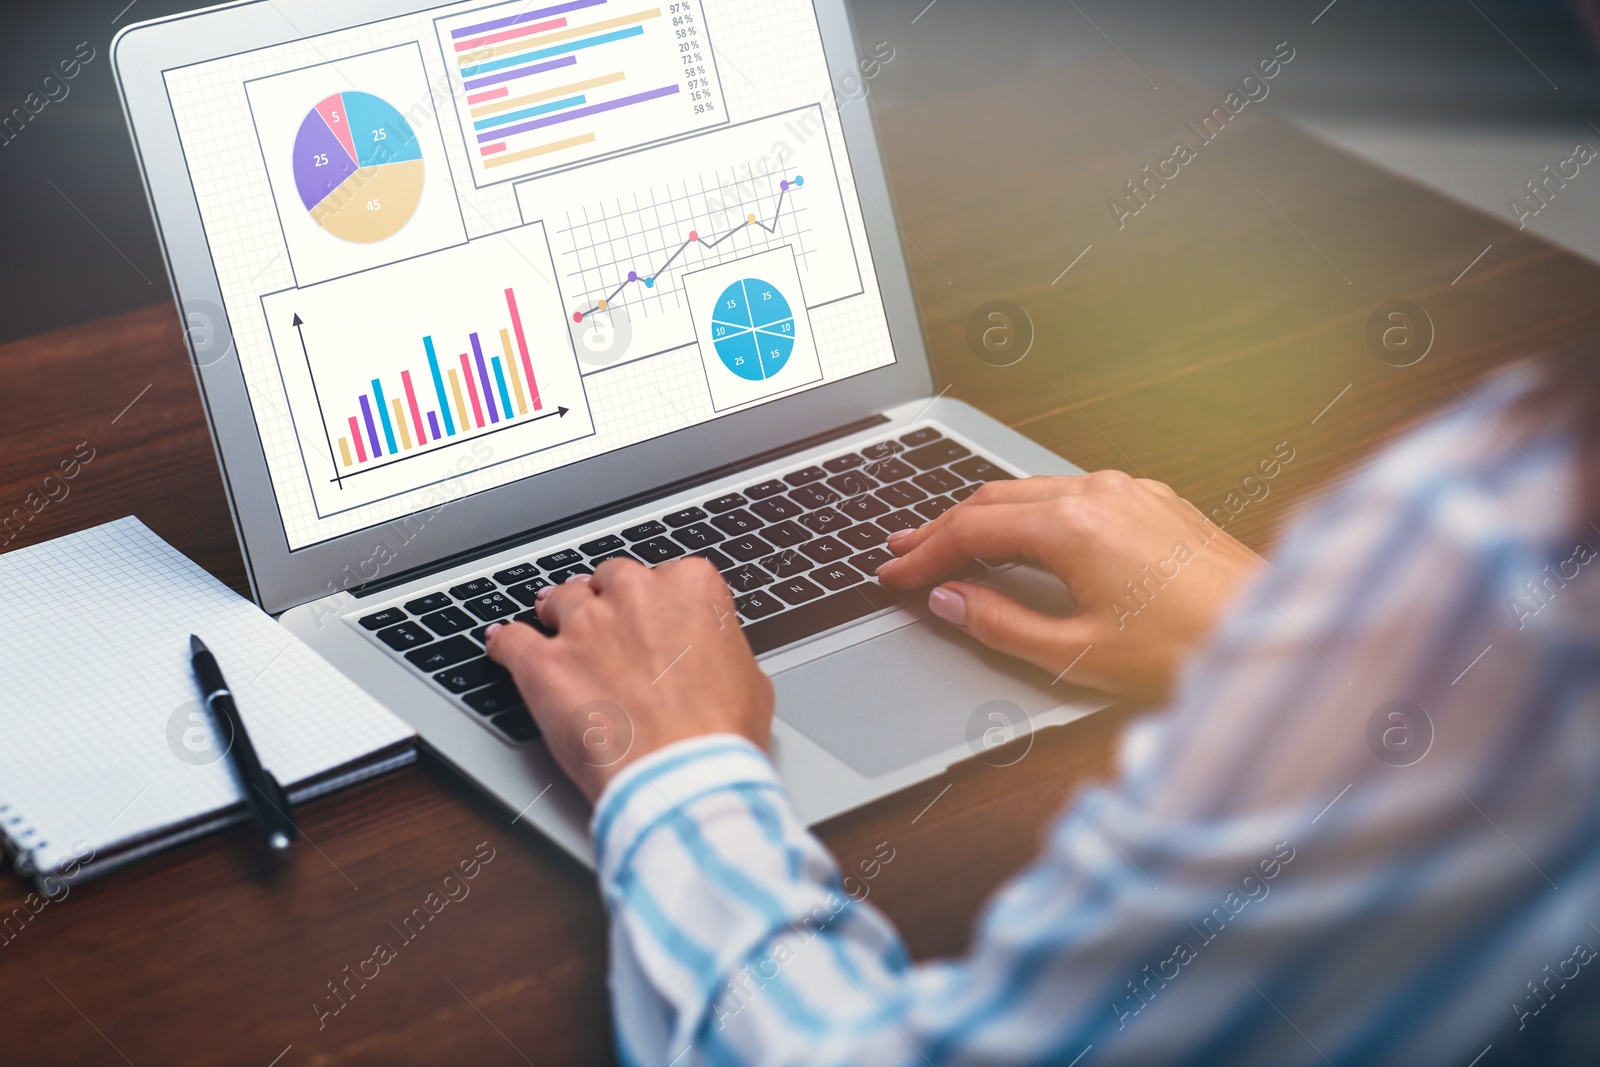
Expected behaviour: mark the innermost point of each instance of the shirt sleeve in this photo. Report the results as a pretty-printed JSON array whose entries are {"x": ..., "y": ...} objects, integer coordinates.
[{"x": 1340, "y": 845}]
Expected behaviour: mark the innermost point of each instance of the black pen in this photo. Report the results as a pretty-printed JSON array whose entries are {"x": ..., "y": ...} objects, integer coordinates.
[{"x": 261, "y": 791}]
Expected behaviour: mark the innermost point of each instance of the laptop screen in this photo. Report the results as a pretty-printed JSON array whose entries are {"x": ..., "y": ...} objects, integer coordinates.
[{"x": 469, "y": 245}]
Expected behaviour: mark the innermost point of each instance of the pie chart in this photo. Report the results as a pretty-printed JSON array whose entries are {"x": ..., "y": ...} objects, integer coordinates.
[
  {"x": 358, "y": 167},
  {"x": 753, "y": 329}
]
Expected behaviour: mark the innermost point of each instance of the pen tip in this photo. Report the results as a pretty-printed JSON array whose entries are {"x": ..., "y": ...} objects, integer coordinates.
[{"x": 196, "y": 646}]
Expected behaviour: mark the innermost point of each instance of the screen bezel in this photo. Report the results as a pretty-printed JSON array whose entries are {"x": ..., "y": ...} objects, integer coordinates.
[{"x": 280, "y": 578}]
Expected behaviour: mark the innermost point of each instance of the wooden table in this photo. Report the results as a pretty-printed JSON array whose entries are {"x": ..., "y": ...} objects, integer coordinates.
[{"x": 1228, "y": 316}]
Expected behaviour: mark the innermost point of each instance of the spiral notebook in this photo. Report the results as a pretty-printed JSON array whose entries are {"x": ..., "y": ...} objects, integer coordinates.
[{"x": 106, "y": 754}]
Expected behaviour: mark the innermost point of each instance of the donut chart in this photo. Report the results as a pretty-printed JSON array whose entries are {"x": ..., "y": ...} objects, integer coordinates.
[
  {"x": 752, "y": 329},
  {"x": 358, "y": 167}
]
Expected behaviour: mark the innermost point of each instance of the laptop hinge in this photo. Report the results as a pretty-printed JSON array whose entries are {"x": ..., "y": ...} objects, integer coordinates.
[{"x": 595, "y": 514}]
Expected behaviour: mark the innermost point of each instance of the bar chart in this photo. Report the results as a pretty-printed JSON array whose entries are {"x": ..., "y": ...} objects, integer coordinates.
[
  {"x": 385, "y": 369},
  {"x": 541, "y": 88}
]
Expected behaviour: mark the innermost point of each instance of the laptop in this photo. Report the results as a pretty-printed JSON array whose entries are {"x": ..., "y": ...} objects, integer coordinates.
[{"x": 480, "y": 295}]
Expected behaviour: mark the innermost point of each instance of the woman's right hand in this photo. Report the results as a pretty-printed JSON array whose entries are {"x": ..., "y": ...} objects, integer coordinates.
[{"x": 1150, "y": 576}]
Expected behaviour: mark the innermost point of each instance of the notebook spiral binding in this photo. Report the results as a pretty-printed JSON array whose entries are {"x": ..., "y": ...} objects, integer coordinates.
[{"x": 16, "y": 835}]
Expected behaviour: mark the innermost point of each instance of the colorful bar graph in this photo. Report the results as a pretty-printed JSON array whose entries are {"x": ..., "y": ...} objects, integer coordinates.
[
  {"x": 578, "y": 113},
  {"x": 372, "y": 431},
  {"x": 483, "y": 374},
  {"x": 355, "y": 435},
  {"x": 524, "y": 56},
  {"x": 472, "y": 391},
  {"x": 520, "y": 72},
  {"x": 511, "y": 369},
  {"x": 391, "y": 421},
  {"x": 522, "y": 347},
  {"x": 530, "y": 112},
  {"x": 438, "y": 388},
  {"x": 475, "y": 43}
]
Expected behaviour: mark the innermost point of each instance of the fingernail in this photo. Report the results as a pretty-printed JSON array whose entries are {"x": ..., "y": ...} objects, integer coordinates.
[
  {"x": 949, "y": 605},
  {"x": 581, "y": 578},
  {"x": 897, "y": 537},
  {"x": 543, "y": 593},
  {"x": 494, "y": 628}
]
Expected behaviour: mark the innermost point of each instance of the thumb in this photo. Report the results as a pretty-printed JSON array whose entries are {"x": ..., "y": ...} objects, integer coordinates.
[{"x": 1050, "y": 642}]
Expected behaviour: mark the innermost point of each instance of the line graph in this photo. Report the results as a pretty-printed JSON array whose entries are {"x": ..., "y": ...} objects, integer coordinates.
[
  {"x": 626, "y": 237},
  {"x": 649, "y": 281}
]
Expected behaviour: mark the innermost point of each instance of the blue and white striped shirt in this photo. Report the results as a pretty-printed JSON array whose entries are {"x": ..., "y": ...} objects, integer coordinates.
[{"x": 1367, "y": 831}]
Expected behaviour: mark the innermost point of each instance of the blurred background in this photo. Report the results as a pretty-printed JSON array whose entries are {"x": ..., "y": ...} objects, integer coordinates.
[{"x": 1470, "y": 97}]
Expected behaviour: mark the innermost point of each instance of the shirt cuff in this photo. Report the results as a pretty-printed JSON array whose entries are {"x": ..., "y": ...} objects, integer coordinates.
[{"x": 636, "y": 799}]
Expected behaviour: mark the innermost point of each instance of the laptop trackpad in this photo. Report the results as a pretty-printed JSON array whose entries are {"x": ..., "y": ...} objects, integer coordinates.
[{"x": 907, "y": 695}]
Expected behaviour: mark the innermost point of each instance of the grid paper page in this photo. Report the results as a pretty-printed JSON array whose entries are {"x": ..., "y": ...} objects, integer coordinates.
[{"x": 97, "y": 690}]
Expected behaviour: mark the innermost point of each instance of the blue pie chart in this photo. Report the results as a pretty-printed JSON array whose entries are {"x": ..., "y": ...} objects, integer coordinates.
[{"x": 753, "y": 329}]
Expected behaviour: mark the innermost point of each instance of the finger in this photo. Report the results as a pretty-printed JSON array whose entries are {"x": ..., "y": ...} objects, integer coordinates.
[
  {"x": 1015, "y": 491},
  {"x": 994, "y": 619},
  {"x": 558, "y": 602},
  {"x": 963, "y": 534},
  {"x": 519, "y": 648},
  {"x": 607, "y": 574}
]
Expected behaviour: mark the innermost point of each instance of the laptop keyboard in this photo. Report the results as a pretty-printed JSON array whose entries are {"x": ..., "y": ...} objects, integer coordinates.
[{"x": 799, "y": 552}]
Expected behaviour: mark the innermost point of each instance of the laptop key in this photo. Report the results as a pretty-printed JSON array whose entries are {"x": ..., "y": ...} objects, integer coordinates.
[
  {"x": 958, "y": 495},
  {"x": 601, "y": 545},
  {"x": 862, "y": 508},
  {"x": 770, "y": 487},
  {"x": 978, "y": 469},
  {"x": 556, "y": 560},
  {"x": 476, "y": 587},
  {"x": 937, "y": 454},
  {"x": 882, "y": 450},
  {"x": 528, "y": 592},
  {"x": 746, "y": 577},
  {"x": 657, "y": 549},
  {"x": 431, "y": 602},
  {"x": 644, "y": 531},
  {"x": 866, "y": 535},
  {"x": 869, "y": 561},
  {"x": 451, "y": 620},
  {"x": 492, "y": 607},
  {"x": 920, "y": 437},
  {"x": 814, "y": 496},
  {"x": 618, "y": 554},
  {"x": 836, "y": 576},
  {"x": 697, "y": 536},
  {"x": 787, "y": 564},
  {"x": 901, "y": 495},
  {"x": 826, "y": 549},
  {"x": 939, "y": 480},
  {"x": 758, "y": 605},
  {"x": 891, "y": 470},
  {"x": 387, "y": 617},
  {"x": 492, "y": 700},
  {"x": 566, "y": 574},
  {"x": 746, "y": 548},
  {"x": 932, "y": 509},
  {"x": 805, "y": 475},
  {"x": 847, "y": 462},
  {"x": 685, "y": 517},
  {"x": 442, "y": 654},
  {"x": 736, "y": 522},
  {"x": 901, "y": 520},
  {"x": 512, "y": 575},
  {"x": 517, "y": 725},
  {"x": 824, "y": 521},
  {"x": 814, "y": 617},
  {"x": 797, "y": 590},
  {"x": 717, "y": 559},
  {"x": 472, "y": 674},
  {"x": 725, "y": 503},
  {"x": 852, "y": 483},
  {"x": 786, "y": 534},
  {"x": 776, "y": 509},
  {"x": 406, "y": 635}
]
